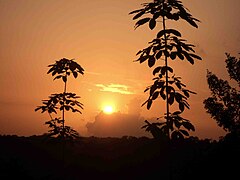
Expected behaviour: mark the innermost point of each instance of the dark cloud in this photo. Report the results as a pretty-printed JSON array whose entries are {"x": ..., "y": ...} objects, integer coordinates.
[
  {"x": 119, "y": 124},
  {"x": 116, "y": 125}
]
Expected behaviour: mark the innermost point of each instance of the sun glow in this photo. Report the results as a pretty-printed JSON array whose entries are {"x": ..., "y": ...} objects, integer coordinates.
[{"x": 108, "y": 109}]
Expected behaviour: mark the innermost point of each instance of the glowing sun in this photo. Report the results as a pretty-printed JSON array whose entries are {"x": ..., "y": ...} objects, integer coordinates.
[{"x": 108, "y": 109}]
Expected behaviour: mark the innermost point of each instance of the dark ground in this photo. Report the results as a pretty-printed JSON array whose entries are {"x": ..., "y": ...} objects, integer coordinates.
[{"x": 36, "y": 158}]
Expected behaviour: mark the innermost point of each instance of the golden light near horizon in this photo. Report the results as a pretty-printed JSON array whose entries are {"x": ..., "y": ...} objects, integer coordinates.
[
  {"x": 108, "y": 109},
  {"x": 119, "y": 83}
]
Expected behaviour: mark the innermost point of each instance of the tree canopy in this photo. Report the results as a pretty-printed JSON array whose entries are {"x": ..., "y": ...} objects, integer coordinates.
[{"x": 223, "y": 104}]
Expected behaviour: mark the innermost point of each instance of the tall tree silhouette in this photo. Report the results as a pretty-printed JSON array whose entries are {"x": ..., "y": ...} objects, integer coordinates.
[
  {"x": 224, "y": 103},
  {"x": 167, "y": 45},
  {"x": 64, "y": 101}
]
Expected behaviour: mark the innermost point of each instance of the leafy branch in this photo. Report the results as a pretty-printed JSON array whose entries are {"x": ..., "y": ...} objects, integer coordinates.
[
  {"x": 168, "y": 44},
  {"x": 62, "y": 102}
]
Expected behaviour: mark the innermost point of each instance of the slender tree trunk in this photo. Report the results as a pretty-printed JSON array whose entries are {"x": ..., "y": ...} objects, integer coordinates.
[
  {"x": 167, "y": 94},
  {"x": 166, "y": 65},
  {"x": 63, "y": 113},
  {"x": 63, "y": 126}
]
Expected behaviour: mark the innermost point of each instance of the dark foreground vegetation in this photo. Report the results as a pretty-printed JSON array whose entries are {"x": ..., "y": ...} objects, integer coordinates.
[{"x": 38, "y": 158}]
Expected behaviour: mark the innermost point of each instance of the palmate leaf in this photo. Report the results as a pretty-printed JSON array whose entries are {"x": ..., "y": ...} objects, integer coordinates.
[
  {"x": 64, "y": 67},
  {"x": 173, "y": 55},
  {"x": 176, "y": 49},
  {"x": 188, "y": 57},
  {"x": 60, "y": 101},
  {"x": 195, "y": 56},
  {"x": 184, "y": 132},
  {"x": 149, "y": 104},
  {"x": 152, "y": 23},
  {"x": 189, "y": 19},
  {"x": 141, "y": 22},
  {"x": 159, "y": 54},
  {"x": 138, "y": 14},
  {"x": 159, "y": 88},
  {"x": 151, "y": 61},
  {"x": 155, "y": 95},
  {"x": 168, "y": 31},
  {"x": 162, "y": 93},
  {"x": 188, "y": 125},
  {"x": 141, "y": 59},
  {"x": 38, "y": 108},
  {"x": 171, "y": 98},
  {"x": 156, "y": 129},
  {"x": 179, "y": 54},
  {"x": 58, "y": 131},
  {"x": 136, "y": 11},
  {"x": 173, "y": 10},
  {"x": 70, "y": 133},
  {"x": 75, "y": 74},
  {"x": 156, "y": 70},
  {"x": 58, "y": 77}
]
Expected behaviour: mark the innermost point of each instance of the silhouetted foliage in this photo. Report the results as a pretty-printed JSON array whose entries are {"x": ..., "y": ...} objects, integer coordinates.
[
  {"x": 117, "y": 158},
  {"x": 168, "y": 44},
  {"x": 160, "y": 129},
  {"x": 65, "y": 101},
  {"x": 233, "y": 67},
  {"x": 155, "y": 130},
  {"x": 223, "y": 105}
]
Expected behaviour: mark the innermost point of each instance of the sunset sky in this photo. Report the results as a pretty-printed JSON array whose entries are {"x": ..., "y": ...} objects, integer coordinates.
[{"x": 100, "y": 36}]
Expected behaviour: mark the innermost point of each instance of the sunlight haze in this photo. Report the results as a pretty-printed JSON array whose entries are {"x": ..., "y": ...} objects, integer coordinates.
[{"x": 100, "y": 36}]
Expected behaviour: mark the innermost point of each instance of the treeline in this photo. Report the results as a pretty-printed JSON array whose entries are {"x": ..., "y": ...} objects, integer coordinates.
[{"x": 37, "y": 157}]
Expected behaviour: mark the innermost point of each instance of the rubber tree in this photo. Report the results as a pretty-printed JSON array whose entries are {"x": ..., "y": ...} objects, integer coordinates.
[
  {"x": 168, "y": 45},
  {"x": 64, "y": 101}
]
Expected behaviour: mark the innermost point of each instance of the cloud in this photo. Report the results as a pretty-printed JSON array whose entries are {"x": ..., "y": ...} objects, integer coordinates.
[
  {"x": 115, "y": 88},
  {"x": 119, "y": 124},
  {"x": 92, "y": 73},
  {"x": 116, "y": 125},
  {"x": 134, "y": 106}
]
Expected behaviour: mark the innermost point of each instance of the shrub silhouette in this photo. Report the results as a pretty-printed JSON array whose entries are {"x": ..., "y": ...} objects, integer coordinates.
[
  {"x": 223, "y": 105},
  {"x": 168, "y": 44},
  {"x": 62, "y": 102}
]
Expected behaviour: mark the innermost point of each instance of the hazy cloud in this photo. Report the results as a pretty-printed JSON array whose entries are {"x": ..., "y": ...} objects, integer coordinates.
[
  {"x": 92, "y": 73},
  {"x": 119, "y": 124},
  {"x": 116, "y": 125},
  {"x": 116, "y": 88}
]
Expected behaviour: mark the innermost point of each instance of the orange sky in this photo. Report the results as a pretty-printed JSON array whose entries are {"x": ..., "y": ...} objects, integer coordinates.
[{"x": 100, "y": 35}]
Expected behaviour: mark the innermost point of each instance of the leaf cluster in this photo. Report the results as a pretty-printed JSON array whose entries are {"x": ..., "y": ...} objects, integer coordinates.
[
  {"x": 61, "y": 101},
  {"x": 233, "y": 67},
  {"x": 65, "y": 67},
  {"x": 172, "y": 47},
  {"x": 65, "y": 101},
  {"x": 168, "y": 44},
  {"x": 175, "y": 123},
  {"x": 223, "y": 104},
  {"x": 171, "y": 9},
  {"x": 56, "y": 130},
  {"x": 176, "y": 90}
]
